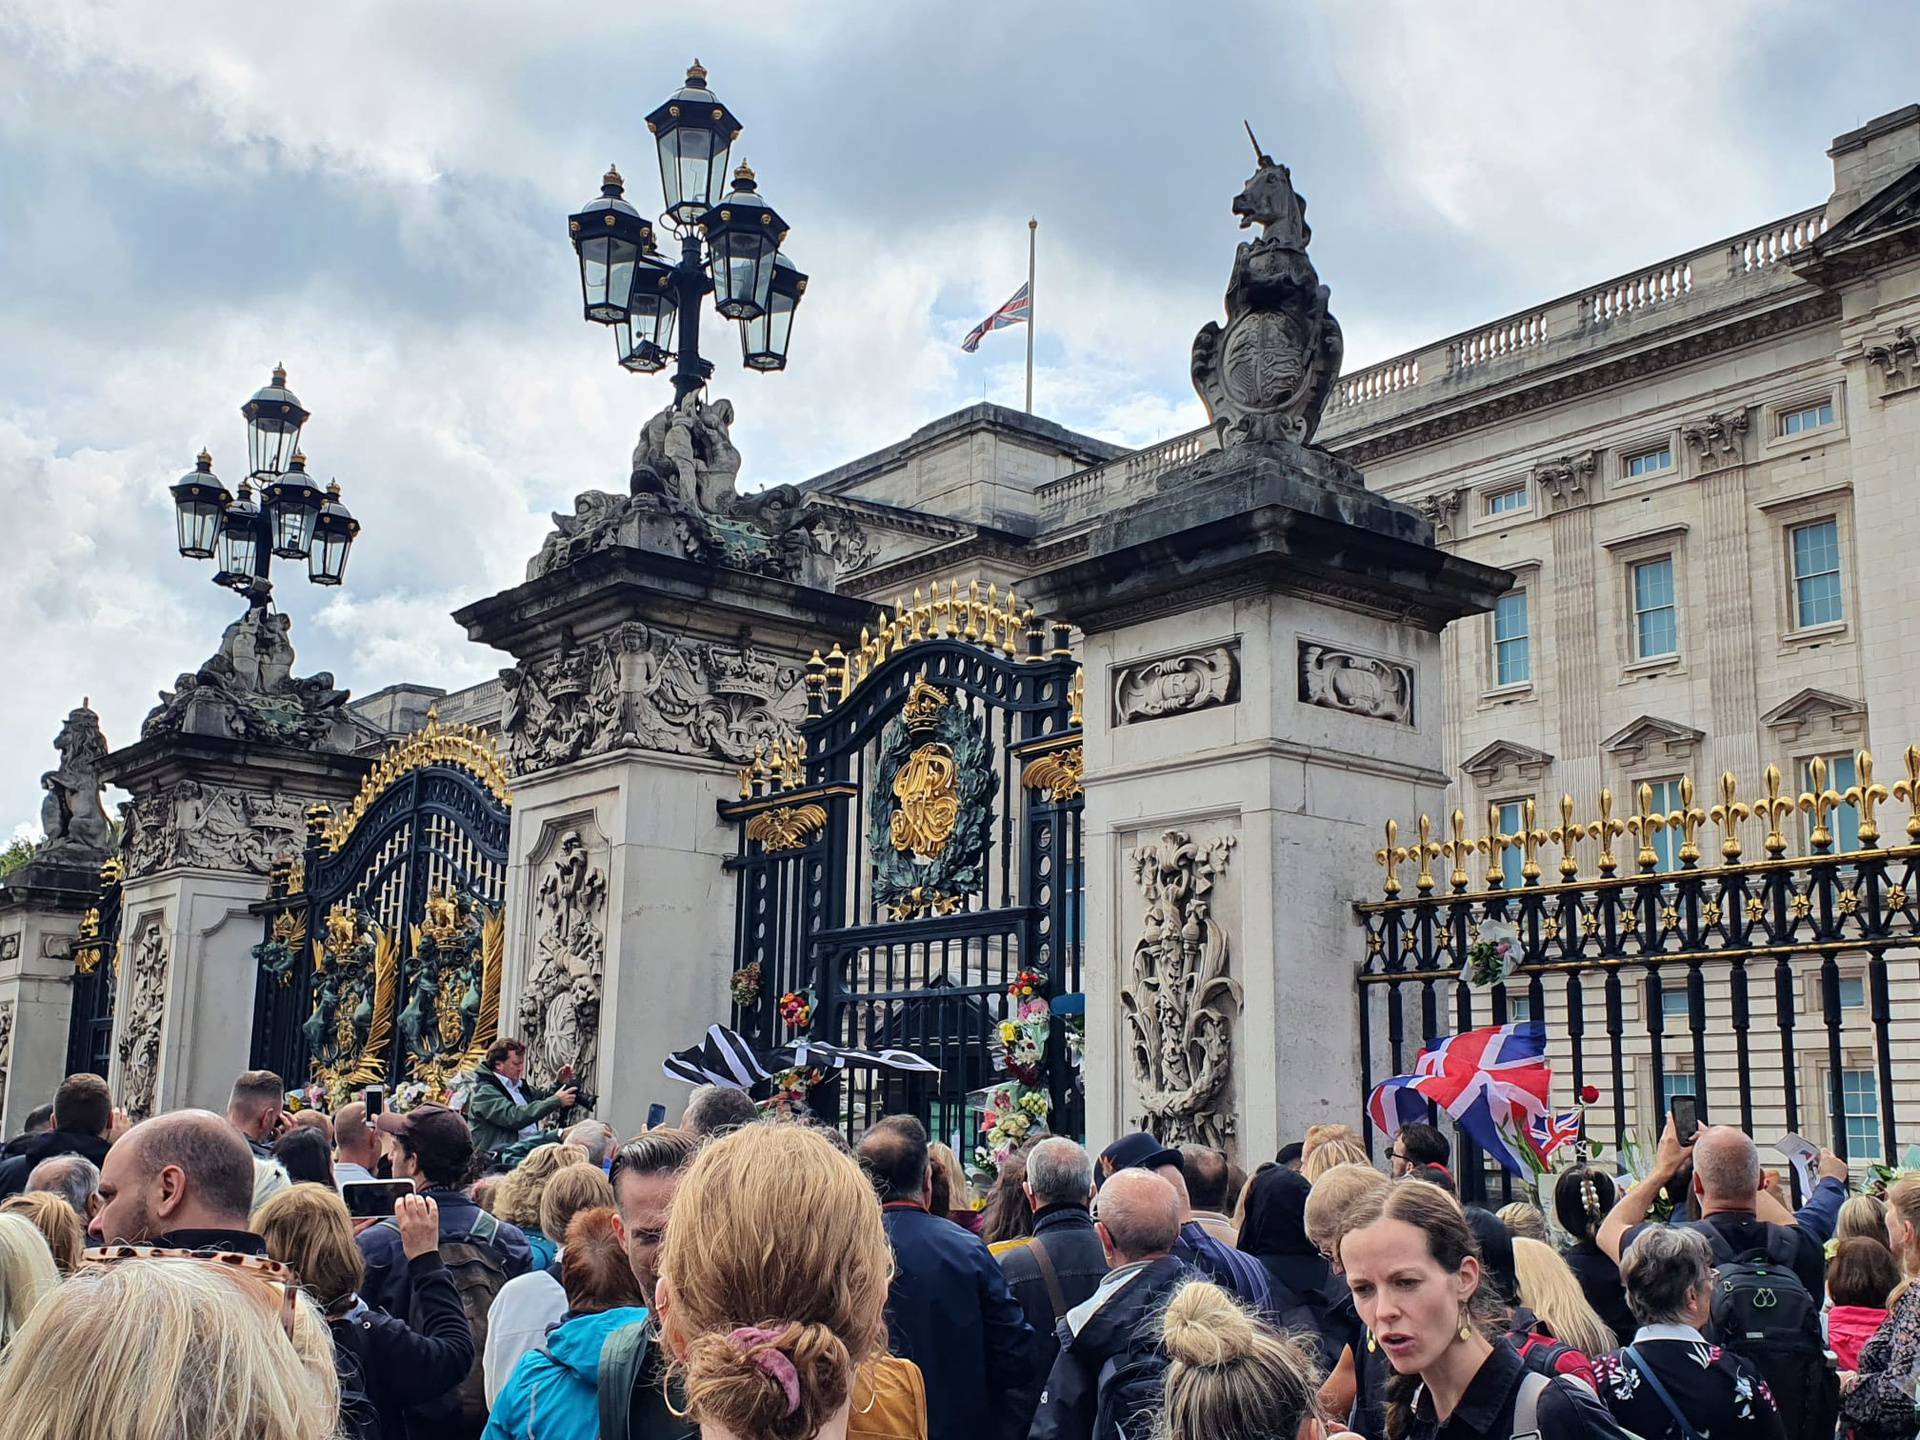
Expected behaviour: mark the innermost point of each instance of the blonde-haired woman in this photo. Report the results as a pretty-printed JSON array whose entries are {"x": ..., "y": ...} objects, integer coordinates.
[
  {"x": 27, "y": 1273},
  {"x": 1229, "y": 1377},
  {"x": 177, "y": 1347},
  {"x": 1550, "y": 1289},
  {"x": 1862, "y": 1217},
  {"x": 1357, "y": 1388},
  {"x": 1877, "y": 1398},
  {"x": 790, "y": 1349},
  {"x": 952, "y": 1194},
  {"x": 517, "y": 1200},
  {"x": 55, "y": 1219},
  {"x": 1333, "y": 1152}
]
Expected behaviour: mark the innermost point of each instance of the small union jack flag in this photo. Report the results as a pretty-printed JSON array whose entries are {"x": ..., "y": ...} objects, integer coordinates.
[
  {"x": 1017, "y": 311},
  {"x": 1550, "y": 1132}
]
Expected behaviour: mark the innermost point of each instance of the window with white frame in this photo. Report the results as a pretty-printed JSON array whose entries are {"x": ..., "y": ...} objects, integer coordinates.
[
  {"x": 1677, "y": 1082},
  {"x": 1673, "y": 1000},
  {"x": 1853, "y": 992},
  {"x": 1843, "y": 820},
  {"x": 1860, "y": 1103},
  {"x": 1513, "y": 820},
  {"x": 1519, "y": 1008},
  {"x": 1817, "y": 594},
  {"x": 1656, "y": 617},
  {"x": 1666, "y": 840},
  {"x": 1505, "y": 502},
  {"x": 1650, "y": 462},
  {"x": 1512, "y": 647},
  {"x": 1806, "y": 417}
]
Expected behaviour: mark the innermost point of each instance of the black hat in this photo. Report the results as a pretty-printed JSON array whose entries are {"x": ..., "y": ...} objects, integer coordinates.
[
  {"x": 439, "y": 1138},
  {"x": 1139, "y": 1151}
]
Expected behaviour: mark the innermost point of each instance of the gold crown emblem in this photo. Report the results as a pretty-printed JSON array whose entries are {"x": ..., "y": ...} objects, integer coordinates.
[{"x": 924, "y": 704}]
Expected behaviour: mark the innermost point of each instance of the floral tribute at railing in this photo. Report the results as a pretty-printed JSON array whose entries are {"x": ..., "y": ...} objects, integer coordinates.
[{"x": 1659, "y": 895}]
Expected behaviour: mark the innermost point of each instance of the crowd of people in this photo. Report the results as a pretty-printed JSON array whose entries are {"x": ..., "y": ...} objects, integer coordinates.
[{"x": 759, "y": 1278}]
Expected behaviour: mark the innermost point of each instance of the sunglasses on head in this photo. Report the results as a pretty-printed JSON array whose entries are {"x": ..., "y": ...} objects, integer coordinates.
[{"x": 270, "y": 1272}]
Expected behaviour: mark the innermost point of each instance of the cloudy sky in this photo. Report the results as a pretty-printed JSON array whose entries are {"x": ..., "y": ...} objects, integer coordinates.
[{"x": 375, "y": 194}]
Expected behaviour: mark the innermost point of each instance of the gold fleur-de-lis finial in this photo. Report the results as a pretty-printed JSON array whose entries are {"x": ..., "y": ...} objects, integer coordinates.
[
  {"x": 1606, "y": 830},
  {"x": 1909, "y": 791},
  {"x": 1773, "y": 809},
  {"x": 1566, "y": 835},
  {"x": 1645, "y": 825},
  {"x": 1457, "y": 850},
  {"x": 1531, "y": 838},
  {"x": 1727, "y": 815},
  {"x": 1864, "y": 797},
  {"x": 1426, "y": 852},
  {"x": 1688, "y": 819},
  {"x": 1819, "y": 801},
  {"x": 1392, "y": 856},
  {"x": 1495, "y": 848}
]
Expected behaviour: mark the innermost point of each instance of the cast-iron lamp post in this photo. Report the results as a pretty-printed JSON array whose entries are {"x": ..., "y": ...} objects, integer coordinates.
[
  {"x": 625, "y": 281},
  {"x": 293, "y": 517}
]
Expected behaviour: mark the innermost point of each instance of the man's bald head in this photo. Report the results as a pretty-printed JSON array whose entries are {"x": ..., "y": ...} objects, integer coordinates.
[
  {"x": 1138, "y": 1216},
  {"x": 185, "y": 1170},
  {"x": 1726, "y": 1167}
]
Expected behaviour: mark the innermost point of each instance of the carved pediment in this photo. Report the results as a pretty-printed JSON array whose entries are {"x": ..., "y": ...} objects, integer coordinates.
[
  {"x": 1652, "y": 737},
  {"x": 1719, "y": 439},
  {"x": 1813, "y": 714},
  {"x": 1491, "y": 762},
  {"x": 1565, "y": 481}
]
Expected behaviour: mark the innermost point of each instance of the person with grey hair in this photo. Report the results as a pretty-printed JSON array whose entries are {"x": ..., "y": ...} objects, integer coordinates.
[
  {"x": 74, "y": 1178},
  {"x": 1670, "y": 1381},
  {"x": 716, "y": 1109},
  {"x": 597, "y": 1138},
  {"x": 1059, "y": 1266},
  {"x": 1110, "y": 1368}
]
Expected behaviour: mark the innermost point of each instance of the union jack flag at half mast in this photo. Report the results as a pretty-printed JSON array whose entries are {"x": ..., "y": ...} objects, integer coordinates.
[{"x": 1017, "y": 311}]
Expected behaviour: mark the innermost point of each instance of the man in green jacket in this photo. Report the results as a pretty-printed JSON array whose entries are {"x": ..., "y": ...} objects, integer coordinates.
[{"x": 503, "y": 1107}]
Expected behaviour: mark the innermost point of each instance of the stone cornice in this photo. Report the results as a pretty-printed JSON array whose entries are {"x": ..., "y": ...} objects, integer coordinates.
[{"x": 1553, "y": 385}]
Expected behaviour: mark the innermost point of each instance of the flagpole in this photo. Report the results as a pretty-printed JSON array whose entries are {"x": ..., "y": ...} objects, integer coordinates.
[{"x": 1032, "y": 225}]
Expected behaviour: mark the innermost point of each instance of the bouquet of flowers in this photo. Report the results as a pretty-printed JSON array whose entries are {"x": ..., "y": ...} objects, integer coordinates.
[
  {"x": 1027, "y": 985},
  {"x": 1014, "y": 1113},
  {"x": 796, "y": 1009},
  {"x": 745, "y": 985},
  {"x": 790, "y": 1089},
  {"x": 1493, "y": 957}
]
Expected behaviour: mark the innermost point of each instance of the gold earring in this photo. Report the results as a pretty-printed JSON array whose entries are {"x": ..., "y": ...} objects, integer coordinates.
[
  {"x": 666, "y": 1399},
  {"x": 1466, "y": 1327},
  {"x": 1372, "y": 1344},
  {"x": 872, "y": 1399}
]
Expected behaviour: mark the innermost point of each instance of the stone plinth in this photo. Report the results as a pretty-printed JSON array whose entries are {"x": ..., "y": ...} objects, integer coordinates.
[
  {"x": 1263, "y": 678},
  {"x": 40, "y": 909},
  {"x": 643, "y": 682},
  {"x": 208, "y": 818}
]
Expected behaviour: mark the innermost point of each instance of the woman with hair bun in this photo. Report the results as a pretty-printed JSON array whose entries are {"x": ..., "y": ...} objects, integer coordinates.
[
  {"x": 1581, "y": 1201},
  {"x": 1231, "y": 1378},
  {"x": 773, "y": 1291},
  {"x": 1415, "y": 1271}
]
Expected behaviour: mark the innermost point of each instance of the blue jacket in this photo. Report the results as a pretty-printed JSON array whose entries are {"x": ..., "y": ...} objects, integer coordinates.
[
  {"x": 389, "y": 1287},
  {"x": 554, "y": 1393},
  {"x": 950, "y": 1312}
]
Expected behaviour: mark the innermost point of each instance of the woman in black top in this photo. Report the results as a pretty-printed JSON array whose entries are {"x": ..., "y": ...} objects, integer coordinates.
[
  {"x": 1671, "y": 1383},
  {"x": 1305, "y": 1292},
  {"x": 1581, "y": 1201},
  {"x": 1414, "y": 1269}
]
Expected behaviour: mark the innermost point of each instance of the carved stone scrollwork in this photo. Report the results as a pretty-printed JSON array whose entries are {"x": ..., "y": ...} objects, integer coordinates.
[
  {"x": 1359, "y": 684},
  {"x": 636, "y": 686},
  {"x": 1176, "y": 684},
  {"x": 1442, "y": 508},
  {"x": 1719, "y": 439},
  {"x": 1565, "y": 481},
  {"x": 1897, "y": 361},
  {"x": 1266, "y": 377},
  {"x": 1179, "y": 1000},
  {"x": 213, "y": 827},
  {"x": 560, "y": 1008},
  {"x": 137, "y": 1047}
]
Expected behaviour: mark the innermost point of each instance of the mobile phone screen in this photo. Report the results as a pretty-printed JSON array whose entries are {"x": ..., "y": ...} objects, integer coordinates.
[
  {"x": 373, "y": 1199},
  {"x": 1686, "y": 1118},
  {"x": 656, "y": 1115},
  {"x": 375, "y": 1097}
]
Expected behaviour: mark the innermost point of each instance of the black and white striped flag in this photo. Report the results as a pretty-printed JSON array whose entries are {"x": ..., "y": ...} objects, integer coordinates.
[{"x": 723, "y": 1058}]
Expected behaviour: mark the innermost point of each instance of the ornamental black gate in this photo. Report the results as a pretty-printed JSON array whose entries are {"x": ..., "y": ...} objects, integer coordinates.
[
  {"x": 96, "y": 966},
  {"x": 384, "y": 943},
  {"x": 1691, "y": 974},
  {"x": 909, "y": 873}
]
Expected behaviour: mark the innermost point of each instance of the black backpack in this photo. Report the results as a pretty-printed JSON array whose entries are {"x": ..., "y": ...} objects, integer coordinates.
[
  {"x": 478, "y": 1272},
  {"x": 1130, "y": 1389},
  {"x": 359, "y": 1419},
  {"x": 1763, "y": 1313}
]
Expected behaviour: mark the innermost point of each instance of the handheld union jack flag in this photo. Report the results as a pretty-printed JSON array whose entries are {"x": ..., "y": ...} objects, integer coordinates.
[
  {"x": 1550, "y": 1132},
  {"x": 1494, "y": 1082},
  {"x": 1016, "y": 311}
]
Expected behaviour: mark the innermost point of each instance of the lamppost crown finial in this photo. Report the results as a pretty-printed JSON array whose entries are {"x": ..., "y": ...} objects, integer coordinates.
[
  {"x": 333, "y": 489},
  {"x": 697, "y": 73},
  {"x": 611, "y": 183},
  {"x": 299, "y": 458},
  {"x": 203, "y": 461},
  {"x": 279, "y": 374},
  {"x": 743, "y": 176},
  {"x": 246, "y": 490}
]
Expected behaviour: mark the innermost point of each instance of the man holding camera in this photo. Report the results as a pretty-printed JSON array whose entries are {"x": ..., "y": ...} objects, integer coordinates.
[{"x": 503, "y": 1107}]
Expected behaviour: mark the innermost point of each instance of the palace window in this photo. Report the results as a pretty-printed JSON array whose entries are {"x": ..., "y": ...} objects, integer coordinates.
[
  {"x": 1673, "y": 999},
  {"x": 1656, "y": 625},
  {"x": 1513, "y": 820},
  {"x": 1860, "y": 1102},
  {"x": 1807, "y": 417},
  {"x": 1650, "y": 462},
  {"x": 1666, "y": 841},
  {"x": 1817, "y": 598},
  {"x": 1512, "y": 653},
  {"x": 1843, "y": 820},
  {"x": 1519, "y": 1008},
  {"x": 1505, "y": 502},
  {"x": 1853, "y": 992},
  {"x": 1676, "y": 1082}
]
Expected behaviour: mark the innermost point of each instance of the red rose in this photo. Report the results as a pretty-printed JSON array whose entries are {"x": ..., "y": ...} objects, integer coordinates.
[{"x": 1589, "y": 1095}]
